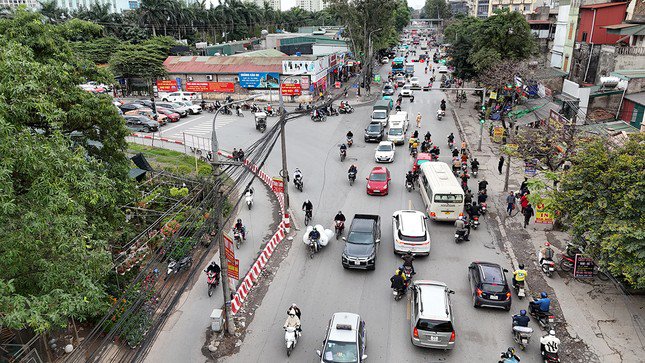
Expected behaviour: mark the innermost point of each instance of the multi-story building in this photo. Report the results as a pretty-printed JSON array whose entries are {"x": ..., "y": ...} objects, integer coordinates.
[
  {"x": 31, "y": 4},
  {"x": 486, "y": 8},
  {"x": 274, "y": 4},
  {"x": 311, "y": 5}
]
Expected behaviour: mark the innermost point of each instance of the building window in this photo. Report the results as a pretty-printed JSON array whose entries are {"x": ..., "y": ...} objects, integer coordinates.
[
  {"x": 133, "y": 4},
  {"x": 584, "y": 36}
]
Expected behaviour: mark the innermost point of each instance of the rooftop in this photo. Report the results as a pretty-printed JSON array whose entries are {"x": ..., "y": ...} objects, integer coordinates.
[
  {"x": 609, "y": 128},
  {"x": 600, "y": 6},
  {"x": 628, "y": 74},
  {"x": 226, "y": 65},
  {"x": 261, "y": 53},
  {"x": 637, "y": 98}
]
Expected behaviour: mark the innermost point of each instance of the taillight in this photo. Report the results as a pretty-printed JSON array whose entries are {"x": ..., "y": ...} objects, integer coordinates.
[
  {"x": 476, "y": 218},
  {"x": 452, "y": 336},
  {"x": 415, "y": 332},
  {"x": 508, "y": 295},
  {"x": 461, "y": 214},
  {"x": 433, "y": 214},
  {"x": 479, "y": 292}
]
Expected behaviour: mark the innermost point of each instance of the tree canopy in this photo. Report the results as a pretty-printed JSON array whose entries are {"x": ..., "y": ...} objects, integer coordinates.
[
  {"x": 63, "y": 173},
  {"x": 601, "y": 199},
  {"x": 437, "y": 9}
]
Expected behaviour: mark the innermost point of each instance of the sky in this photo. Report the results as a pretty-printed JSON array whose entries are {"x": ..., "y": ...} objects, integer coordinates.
[{"x": 288, "y": 4}]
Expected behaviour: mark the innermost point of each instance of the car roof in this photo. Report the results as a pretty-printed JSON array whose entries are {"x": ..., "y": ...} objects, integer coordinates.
[
  {"x": 412, "y": 222},
  {"x": 388, "y": 143},
  {"x": 379, "y": 170},
  {"x": 344, "y": 327},
  {"x": 490, "y": 272},
  {"x": 433, "y": 295}
]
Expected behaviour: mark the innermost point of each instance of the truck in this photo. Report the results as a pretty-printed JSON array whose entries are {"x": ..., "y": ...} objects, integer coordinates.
[
  {"x": 381, "y": 111},
  {"x": 362, "y": 242}
]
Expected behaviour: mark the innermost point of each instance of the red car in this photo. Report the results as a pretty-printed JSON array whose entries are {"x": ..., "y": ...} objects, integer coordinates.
[
  {"x": 421, "y": 158},
  {"x": 172, "y": 116},
  {"x": 378, "y": 182}
]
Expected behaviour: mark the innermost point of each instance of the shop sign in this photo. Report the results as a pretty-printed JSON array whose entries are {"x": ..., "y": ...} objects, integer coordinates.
[
  {"x": 290, "y": 89},
  {"x": 258, "y": 79},
  {"x": 225, "y": 87},
  {"x": 167, "y": 85}
]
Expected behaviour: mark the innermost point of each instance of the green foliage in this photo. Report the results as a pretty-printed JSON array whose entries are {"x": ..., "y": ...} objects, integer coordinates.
[
  {"x": 172, "y": 161},
  {"x": 437, "y": 9},
  {"x": 98, "y": 50},
  {"x": 60, "y": 199},
  {"x": 181, "y": 248},
  {"x": 76, "y": 30},
  {"x": 601, "y": 199},
  {"x": 176, "y": 192}
]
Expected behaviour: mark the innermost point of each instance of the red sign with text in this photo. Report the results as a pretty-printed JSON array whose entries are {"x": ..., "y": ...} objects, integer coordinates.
[
  {"x": 278, "y": 185},
  {"x": 291, "y": 89},
  {"x": 233, "y": 269},
  {"x": 167, "y": 85},
  {"x": 226, "y": 87}
]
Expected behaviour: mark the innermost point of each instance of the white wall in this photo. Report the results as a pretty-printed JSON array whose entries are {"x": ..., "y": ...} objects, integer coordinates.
[
  {"x": 582, "y": 94},
  {"x": 326, "y": 49},
  {"x": 560, "y": 36}
]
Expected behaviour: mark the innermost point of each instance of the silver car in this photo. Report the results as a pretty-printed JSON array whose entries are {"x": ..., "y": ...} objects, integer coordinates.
[
  {"x": 192, "y": 108},
  {"x": 431, "y": 318}
]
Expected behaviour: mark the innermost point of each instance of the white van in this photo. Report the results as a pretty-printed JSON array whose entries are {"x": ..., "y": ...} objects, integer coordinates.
[
  {"x": 401, "y": 117},
  {"x": 441, "y": 192},
  {"x": 396, "y": 133}
]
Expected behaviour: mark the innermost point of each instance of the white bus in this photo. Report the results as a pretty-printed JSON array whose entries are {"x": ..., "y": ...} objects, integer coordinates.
[{"x": 441, "y": 192}]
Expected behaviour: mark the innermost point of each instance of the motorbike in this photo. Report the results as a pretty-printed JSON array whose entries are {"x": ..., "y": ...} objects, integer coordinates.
[
  {"x": 343, "y": 154},
  {"x": 408, "y": 185},
  {"x": 350, "y": 142},
  {"x": 333, "y": 112},
  {"x": 398, "y": 293},
  {"x": 226, "y": 110},
  {"x": 545, "y": 320},
  {"x": 212, "y": 279},
  {"x": 482, "y": 208},
  {"x": 298, "y": 183},
  {"x": 319, "y": 118},
  {"x": 548, "y": 267},
  {"x": 352, "y": 177},
  {"x": 474, "y": 172},
  {"x": 522, "y": 335},
  {"x": 451, "y": 144},
  {"x": 508, "y": 356},
  {"x": 407, "y": 271},
  {"x": 249, "y": 200},
  {"x": 460, "y": 236},
  {"x": 176, "y": 266},
  {"x": 255, "y": 108},
  {"x": 439, "y": 116},
  {"x": 237, "y": 237},
  {"x": 313, "y": 247},
  {"x": 414, "y": 152},
  {"x": 291, "y": 335},
  {"x": 270, "y": 112},
  {"x": 346, "y": 109},
  {"x": 340, "y": 226},
  {"x": 475, "y": 222},
  {"x": 518, "y": 286},
  {"x": 548, "y": 357}
]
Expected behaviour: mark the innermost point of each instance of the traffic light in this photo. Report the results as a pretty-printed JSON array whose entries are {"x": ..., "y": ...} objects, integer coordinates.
[{"x": 482, "y": 114}]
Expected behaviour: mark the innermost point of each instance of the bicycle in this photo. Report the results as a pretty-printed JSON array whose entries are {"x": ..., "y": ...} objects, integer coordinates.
[{"x": 307, "y": 216}]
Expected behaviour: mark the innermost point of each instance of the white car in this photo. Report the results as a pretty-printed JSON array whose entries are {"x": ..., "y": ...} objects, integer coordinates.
[
  {"x": 410, "y": 232},
  {"x": 443, "y": 69},
  {"x": 345, "y": 340},
  {"x": 384, "y": 152},
  {"x": 406, "y": 91},
  {"x": 192, "y": 108},
  {"x": 414, "y": 81},
  {"x": 178, "y": 96}
]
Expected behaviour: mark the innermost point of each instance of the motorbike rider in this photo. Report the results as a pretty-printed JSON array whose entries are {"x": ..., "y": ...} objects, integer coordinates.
[
  {"x": 409, "y": 178},
  {"x": 296, "y": 309},
  {"x": 542, "y": 305},
  {"x": 451, "y": 138},
  {"x": 463, "y": 227},
  {"x": 427, "y": 137},
  {"x": 546, "y": 253},
  {"x": 352, "y": 169},
  {"x": 522, "y": 319},
  {"x": 468, "y": 197},
  {"x": 519, "y": 275},
  {"x": 249, "y": 192},
  {"x": 482, "y": 184},
  {"x": 408, "y": 257},
  {"x": 292, "y": 320},
  {"x": 473, "y": 210},
  {"x": 307, "y": 206},
  {"x": 314, "y": 236},
  {"x": 214, "y": 268},
  {"x": 343, "y": 149},
  {"x": 398, "y": 281},
  {"x": 349, "y": 135},
  {"x": 238, "y": 110},
  {"x": 443, "y": 105},
  {"x": 474, "y": 165},
  {"x": 240, "y": 227},
  {"x": 509, "y": 356},
  {"x": 549, "y": 343},
  {"x": 297, "y": 174}
]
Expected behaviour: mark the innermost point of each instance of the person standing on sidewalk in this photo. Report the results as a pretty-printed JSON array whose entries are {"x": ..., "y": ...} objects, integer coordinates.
[
  {"x": 528, "y": 213},
  {"x": 418, "y": 119},
  {"x": 510, "y": 202},
  {"x": 500, "y": 164}
]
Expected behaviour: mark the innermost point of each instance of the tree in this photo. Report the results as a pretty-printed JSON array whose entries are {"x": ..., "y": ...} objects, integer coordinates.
[
  {"x": 437, "y": 9},
  {"x": 601, "y": 200},
  {"x": 60, "y": 198},
  {"x": 143, "y": 61},
  {"x": 460, "y": 34}
]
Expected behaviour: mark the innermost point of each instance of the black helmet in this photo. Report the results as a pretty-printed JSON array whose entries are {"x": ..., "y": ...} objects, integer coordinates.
[
  {"x": 239, "y": 220},
  {"x": 521, "y": 266}
]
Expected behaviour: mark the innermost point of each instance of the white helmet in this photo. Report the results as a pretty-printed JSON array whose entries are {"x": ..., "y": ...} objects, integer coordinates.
[{"x": 552, "y": 332}]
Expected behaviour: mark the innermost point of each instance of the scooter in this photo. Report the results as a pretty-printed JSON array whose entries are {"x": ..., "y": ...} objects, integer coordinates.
[
  {"x": 475, "y": 172},
  {"x": 350, "y": 142},
  {"x": 451, "y": 144},
  {"x": 475, "y": 222},
  {"x": 298, "y": 183},
  {"x": 460, "y": 236},
  {"x": 414, "y": 152},
  {"x": 212, "y": 279},
  {"x": 249, "y": 199},
  {"x": 408, "y": 185},
  {"x": 346, "y": 109},
  {"x": 398, "y": 294},
  {"x": 176, "y": 266},
  {"x": 291, "y": 335},
  {"x": 237, "y": 236},
  {"x": 313, "y": 247},
  {"x": 548, "y": 267},
  {"x": 545, "y": 320},
  {"x": 352, "y": 177},
  {"x": 550, "y": 357},
  {"x": 522, "y": 335},
  {"x": 343, "y": 154},
  {"x": 340, "y": 226},
  {"x": 519, "y": 289},
  {"x": 483, "y": 208},
  {"x": 439, "y": 115}
]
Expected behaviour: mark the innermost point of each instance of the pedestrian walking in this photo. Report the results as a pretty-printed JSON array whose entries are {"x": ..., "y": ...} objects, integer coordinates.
[
  {"x": 524, "y": 201},
  {"x": 510, "y": 202},
  {"x": 500, "y": 164},
  {"x": 418, "y": 119},
  {"x": 463, "y": 147},
  {"x": 528, "y": 213}
]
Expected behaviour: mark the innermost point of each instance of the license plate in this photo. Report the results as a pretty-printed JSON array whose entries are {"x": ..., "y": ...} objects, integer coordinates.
[
  {"x": 376, "y": 191},
  {"x": 447, "y": 213},
  {"x": 434, "y": 339},
  {"x": 493, "y": 297}
]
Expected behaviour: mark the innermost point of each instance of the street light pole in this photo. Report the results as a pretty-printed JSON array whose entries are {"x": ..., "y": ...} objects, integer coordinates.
[
  {"x": 368, "y": 66},
  {"x": 481, "y": 124}
]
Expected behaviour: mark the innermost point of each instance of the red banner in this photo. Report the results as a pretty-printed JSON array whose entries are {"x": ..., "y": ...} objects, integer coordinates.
[
  {"x": 291, "y": 89},
  {"x": 233, "y": 269},
  {"x": 226, "y": 87},
  {"x": 167, "y": 85},
  {"x": 278, "y": 185},
  {"x": 229, "y": 248}
]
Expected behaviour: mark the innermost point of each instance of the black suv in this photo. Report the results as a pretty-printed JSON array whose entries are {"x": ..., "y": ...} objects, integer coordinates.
[
  {"x": 362, "y": 242},
  {"x": 140, "y": 123},
  {"x": 488, "y": 285},
  {"x": 374, "y": 132}
]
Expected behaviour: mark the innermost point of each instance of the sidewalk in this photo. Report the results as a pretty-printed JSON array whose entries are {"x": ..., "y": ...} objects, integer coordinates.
[{"x": 602, "y": 323}]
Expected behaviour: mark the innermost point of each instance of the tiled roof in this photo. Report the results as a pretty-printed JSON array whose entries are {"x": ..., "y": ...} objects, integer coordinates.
[{"x": 225, "y": 65}]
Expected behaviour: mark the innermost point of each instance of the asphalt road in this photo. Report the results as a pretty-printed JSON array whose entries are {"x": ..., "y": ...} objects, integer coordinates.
[{"x": 321, "y": 287}]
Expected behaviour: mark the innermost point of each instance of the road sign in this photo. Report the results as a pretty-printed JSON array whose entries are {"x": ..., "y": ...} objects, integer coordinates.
[{"x": 233, "y": 269}]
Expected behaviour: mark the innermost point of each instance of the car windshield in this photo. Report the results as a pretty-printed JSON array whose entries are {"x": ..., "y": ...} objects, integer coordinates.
[
  {"x": 448, "y": 198},
  {"x": 379, "y": 115},
  {"x": 378, "y": 177},
  {"x": 340, "y": 352},
  {"x": 388, "y": 88},
  {"x": 412, "y": 238},
  {"x": 176, "y": 105},
  {"x": 361, "y": 238},
  {"x": 374, "y": 127},
  {"x": 437, "y": 326},
  {"x": 385, "y": 147},
  {"x": 495, "y": 288},
  {"x": 396, "y": 132}
]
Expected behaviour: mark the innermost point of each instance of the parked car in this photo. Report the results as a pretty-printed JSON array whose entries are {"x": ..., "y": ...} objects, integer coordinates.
[
  {"x": 362, "y": 242},
  {"x": 378, "y": 183},
  {"x": 431, "y": 320},
  {"x": 407, "y": 91},
  {"x": 384, "y": 152},
  {"x": 131, "y": 106},
  {"x": 162, "y": 119},
  {"x": 489, "y": 286},
  {"x": 410, "y": 232},
  {"x": 172, "y": 116},
  {"x": 388, "y": 90},
  {"x": 192, "y": 108},
  {"x": 178, "y": 96},
  {"x": 174, "y": 107},
  {"x": 414, "y": 82},
  {"x": 140, "y": 123},
  {"x": 374, "y": 132},
  {"x": 345, "y": 339}
]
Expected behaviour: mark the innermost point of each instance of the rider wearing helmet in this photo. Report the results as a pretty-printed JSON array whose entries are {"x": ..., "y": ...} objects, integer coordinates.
[
  {"x": 542, "y": 305},
  {"x": 352, "y": 169},
  {"x": 519, "y": 275},
  {"x": 521, "y": 319},
  {"x": 546, "y": 253},
  {"x": 297, "y": 174},
  {"x": 240, "y": 227},
  {"x": 214, "y": 268},
  {"x": 463, "y": 227},
  {"x": 340, "y": 217},
  {"x": 549, "y": 343}
]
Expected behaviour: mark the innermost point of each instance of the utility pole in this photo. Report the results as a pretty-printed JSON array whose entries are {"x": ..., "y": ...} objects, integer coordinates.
[{"x": 216, "y": 162}]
